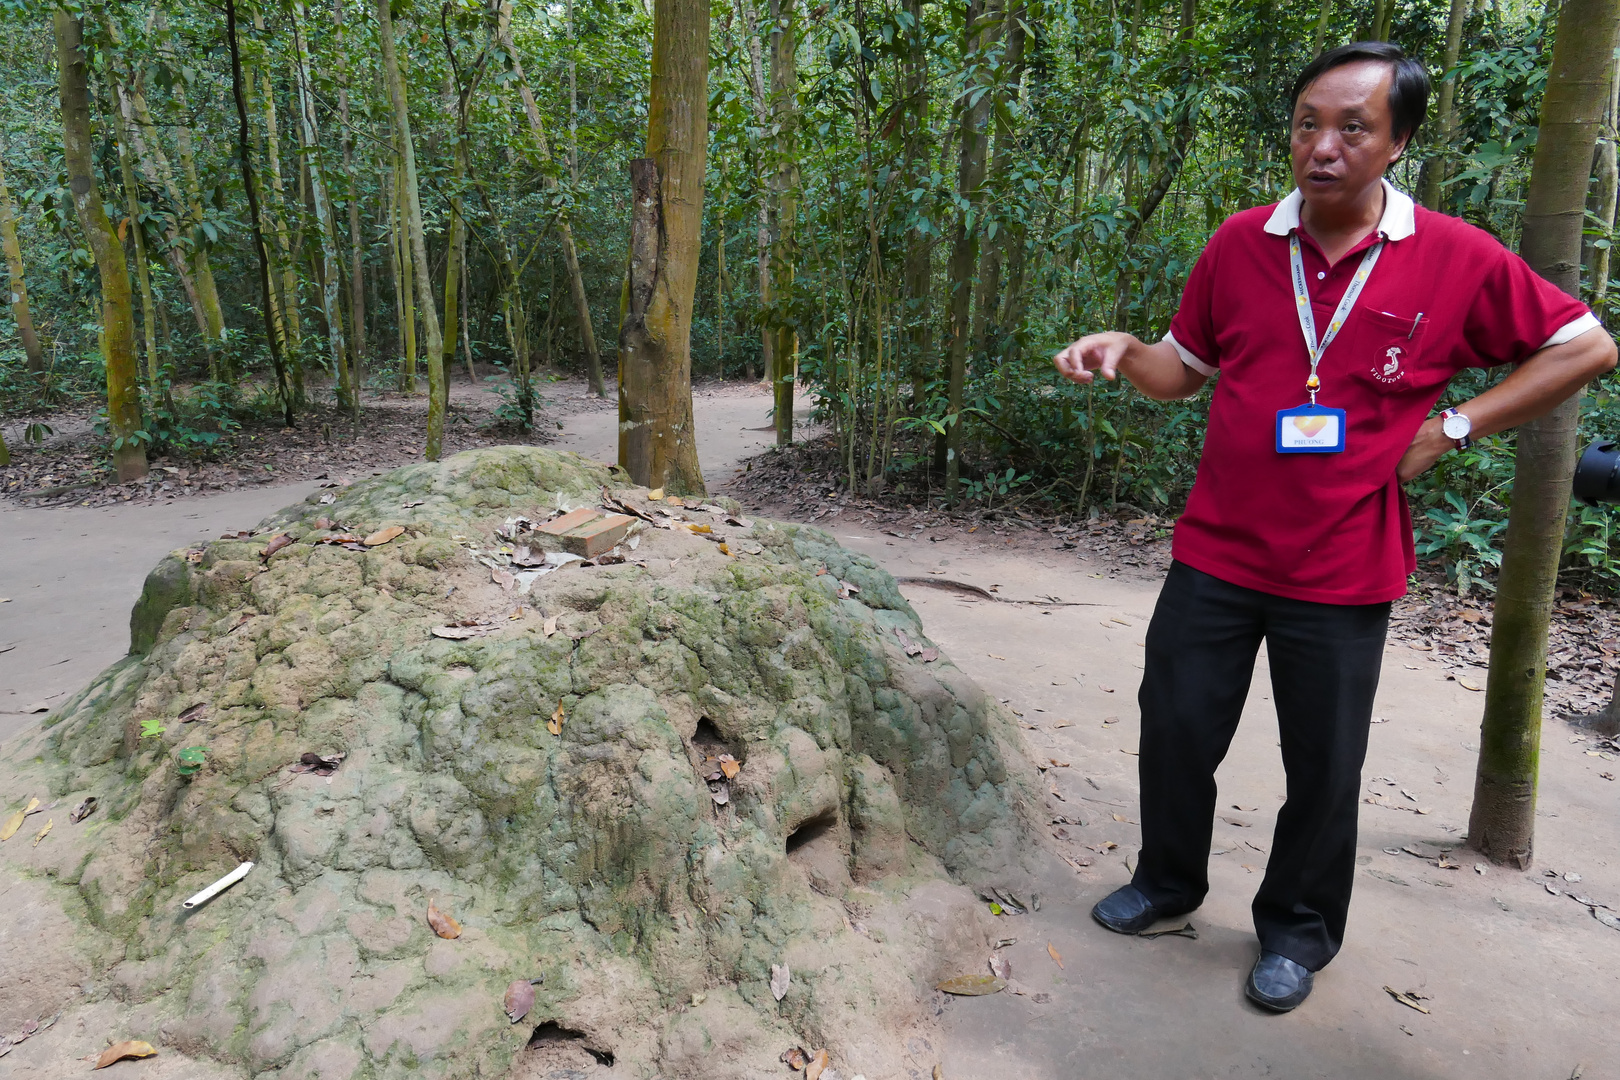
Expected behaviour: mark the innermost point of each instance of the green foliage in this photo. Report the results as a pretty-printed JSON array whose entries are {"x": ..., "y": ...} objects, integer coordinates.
[
  {"x": 189, "y": 761},
  {"x": 152, "y": 728}
]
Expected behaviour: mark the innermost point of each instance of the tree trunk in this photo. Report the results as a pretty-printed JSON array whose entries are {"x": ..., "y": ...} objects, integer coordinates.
[
  {"x": 19, "y": 290},
  {"x": 407, "y": 277},
  {"x": 917, "y": 274},
  {"x": 357, "y": 267},
  {"x": 1434, "y": 170},
  {"x": 972, "y": 115},
  {"x": 155, "y": 165},
  {"x": 275, "y": 212},
  {"x": 1320, "y": 40},
  {"x": 1601, "y": 199},
  {"x": 117, "y": 316},
  {"x": 1169, "y": 171},
  {"x": 255, "y": 215},
  {"x": 576, "y": 281},
  {"x": 657, "y": 442},
  {"x": 466, "y": 318},
  {"x": 1502, "y": 823},
  {"x": 987, "y": 307},
  {"x": 785, "y": 186},
  {"x": 762, "y": 239},
  {"x": 201, "y": 267},
  {"x": 143, "y": 273},
  {"x": 413, "y": 217},
  {"x": 325, "y": 225}
]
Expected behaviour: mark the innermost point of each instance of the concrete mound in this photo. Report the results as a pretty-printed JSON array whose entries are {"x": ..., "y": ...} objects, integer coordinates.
[{"x": 650, "y": 781}]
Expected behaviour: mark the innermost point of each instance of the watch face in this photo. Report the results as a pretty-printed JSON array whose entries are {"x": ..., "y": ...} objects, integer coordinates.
[{"x": 1456, "y": 426}]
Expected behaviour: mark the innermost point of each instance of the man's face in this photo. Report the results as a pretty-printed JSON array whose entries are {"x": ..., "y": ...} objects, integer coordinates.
[{"x": 1343, "y": 134}]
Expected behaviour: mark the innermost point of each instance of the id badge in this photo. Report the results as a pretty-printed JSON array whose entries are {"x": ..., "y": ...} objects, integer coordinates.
[{"x": 1310, "y": 429}]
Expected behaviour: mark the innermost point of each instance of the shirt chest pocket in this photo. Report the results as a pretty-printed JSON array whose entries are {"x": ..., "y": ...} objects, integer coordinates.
[{"x": 1384, "y": 351}]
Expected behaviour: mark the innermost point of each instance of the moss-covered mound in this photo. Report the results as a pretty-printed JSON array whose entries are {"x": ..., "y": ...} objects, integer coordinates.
[{"x": 543, "y": 775}]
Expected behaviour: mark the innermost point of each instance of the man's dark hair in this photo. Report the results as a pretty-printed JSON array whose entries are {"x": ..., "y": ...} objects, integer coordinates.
[{"x": 1408, "y": 84}]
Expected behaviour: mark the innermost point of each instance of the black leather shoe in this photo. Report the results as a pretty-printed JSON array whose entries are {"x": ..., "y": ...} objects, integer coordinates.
[
  {"x": 1277, "y": 983},
  {"x": 1126, "y": 911}
]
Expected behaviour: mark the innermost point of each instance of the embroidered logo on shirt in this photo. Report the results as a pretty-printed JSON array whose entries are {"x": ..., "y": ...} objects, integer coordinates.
[{"x": 1390, "y": 372}]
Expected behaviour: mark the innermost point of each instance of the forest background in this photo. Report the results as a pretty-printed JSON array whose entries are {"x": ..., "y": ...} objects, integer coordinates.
[{"x": 911, "y": 205}]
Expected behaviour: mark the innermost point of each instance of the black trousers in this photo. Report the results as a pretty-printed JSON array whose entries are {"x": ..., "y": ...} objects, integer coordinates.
[{"x": 1325, "y": 661}]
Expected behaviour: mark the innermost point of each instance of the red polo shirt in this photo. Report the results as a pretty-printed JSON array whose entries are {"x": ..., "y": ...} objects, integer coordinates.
[{"x": 1334, "y": 528}]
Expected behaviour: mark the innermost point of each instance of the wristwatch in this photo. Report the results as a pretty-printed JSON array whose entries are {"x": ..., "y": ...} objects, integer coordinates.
[{"x": 1456, "y": 427}]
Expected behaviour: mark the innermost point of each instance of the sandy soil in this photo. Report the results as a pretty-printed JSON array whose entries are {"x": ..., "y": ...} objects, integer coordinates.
[{"x": 1519, "y": 982}]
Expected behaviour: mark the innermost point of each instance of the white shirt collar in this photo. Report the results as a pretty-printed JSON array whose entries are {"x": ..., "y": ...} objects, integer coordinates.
[{"x": 1397, "y": 223}]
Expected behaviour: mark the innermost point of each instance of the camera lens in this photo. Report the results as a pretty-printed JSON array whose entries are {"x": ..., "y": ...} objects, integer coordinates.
[{"x": 1597, "y": 474}]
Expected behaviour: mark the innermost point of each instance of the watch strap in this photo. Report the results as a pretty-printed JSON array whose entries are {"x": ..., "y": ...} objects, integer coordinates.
[{"x": 1463, "y": 443}]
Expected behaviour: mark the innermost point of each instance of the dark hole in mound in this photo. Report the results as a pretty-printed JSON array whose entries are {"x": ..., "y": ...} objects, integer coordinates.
[
  {"x": 811, "y": 831},
  {"x": 707, "y": 738},
  {"x": 551, "y": 1033}
]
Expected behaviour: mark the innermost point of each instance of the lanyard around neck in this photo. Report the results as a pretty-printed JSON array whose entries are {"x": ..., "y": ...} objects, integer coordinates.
[{"x": 1302, "y": 302}]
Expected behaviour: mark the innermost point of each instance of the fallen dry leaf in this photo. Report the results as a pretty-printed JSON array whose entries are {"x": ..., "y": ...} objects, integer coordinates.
[
  {"x": 277, "y": 542},
  {"x": 1467, "y": 684},
  {"x": 656, "y": 494},
  {"x": 1105, "y": 689},
  {"x": 550, "y": 626},
  {"x": 13, "y": 823},
  {"x": 197, "y": 712},
  {"x": 41, "y": 834},
  {"x": 519, "y": 999},
  {"x": 1187, "y": 930},
  {"x": 939, "y": 1073},
  {"x": 119, "y": 1051},
  {"x": 795, "y": 1058},
  {"x": 1411, "y": 1001},
  {"x": 1123, "y": 820},
  {"x": 818, "y": 1062},
  {"x": 780, "y": 977},
  {"x": 555, "y": 724},
  {"x": 1000, "y": 966},
  {"x": 382, "y": 536},
  {"x": 1057, "y": 957},
  {"x": 972, "y": 985},
  {"x": 729, "y": 765},
  {"x": 83, "y": 810},
  {"x": 442, "y": 924}
]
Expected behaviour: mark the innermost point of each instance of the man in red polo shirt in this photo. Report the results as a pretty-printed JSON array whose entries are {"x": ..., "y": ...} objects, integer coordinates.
[{"x": 1333, "y": 321}]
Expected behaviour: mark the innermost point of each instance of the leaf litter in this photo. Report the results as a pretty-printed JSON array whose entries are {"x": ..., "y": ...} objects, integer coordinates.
[
  {"x": 442, "y": 924},
  {"x": 132, "y": 1048}
]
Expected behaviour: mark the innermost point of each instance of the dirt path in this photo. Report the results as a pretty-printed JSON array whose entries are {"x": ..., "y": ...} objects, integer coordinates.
[{"x": 1519, "y": 982}]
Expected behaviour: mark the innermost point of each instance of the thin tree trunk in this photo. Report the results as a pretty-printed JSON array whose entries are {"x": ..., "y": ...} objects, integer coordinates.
[
  {"x": 785, "y": 186},
  {"x": 1502, "y": 823},
  {"x": 1434, "y": 170},
  {"x": 1601, "y": 200},
  {"x": 201, "y": 266},
  {"x": 143, "y": 273},
  {"x": 565, "y": 232},
  {"x": 325, "y": 226},
  {"x": 988, "y": 305},
  {"x": 1322, "y": 20},
  {"x": 117, "y": 318},
  {"x": 407, "y": 282},
  {"x": 466, "y": 319},
  {"x": 14, "y": 266},
  {"x": 762, "y": 240},
  {"x": 1171, "y": 168},
  {"x": 657, "y": 442},
  {"x": 276, "y": 213},
  {"x": 250, "y": 186},
  {"x": 158, "y": 172},
  {"x": 972, "y": 115},
  {"x": 357, "y": 279},
  {"x": 917, "y": 274},
  {"x": 413, "y": 214}
]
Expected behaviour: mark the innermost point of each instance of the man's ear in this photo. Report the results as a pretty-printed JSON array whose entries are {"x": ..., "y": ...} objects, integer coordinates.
[{"x": 1400, "y": 148}]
